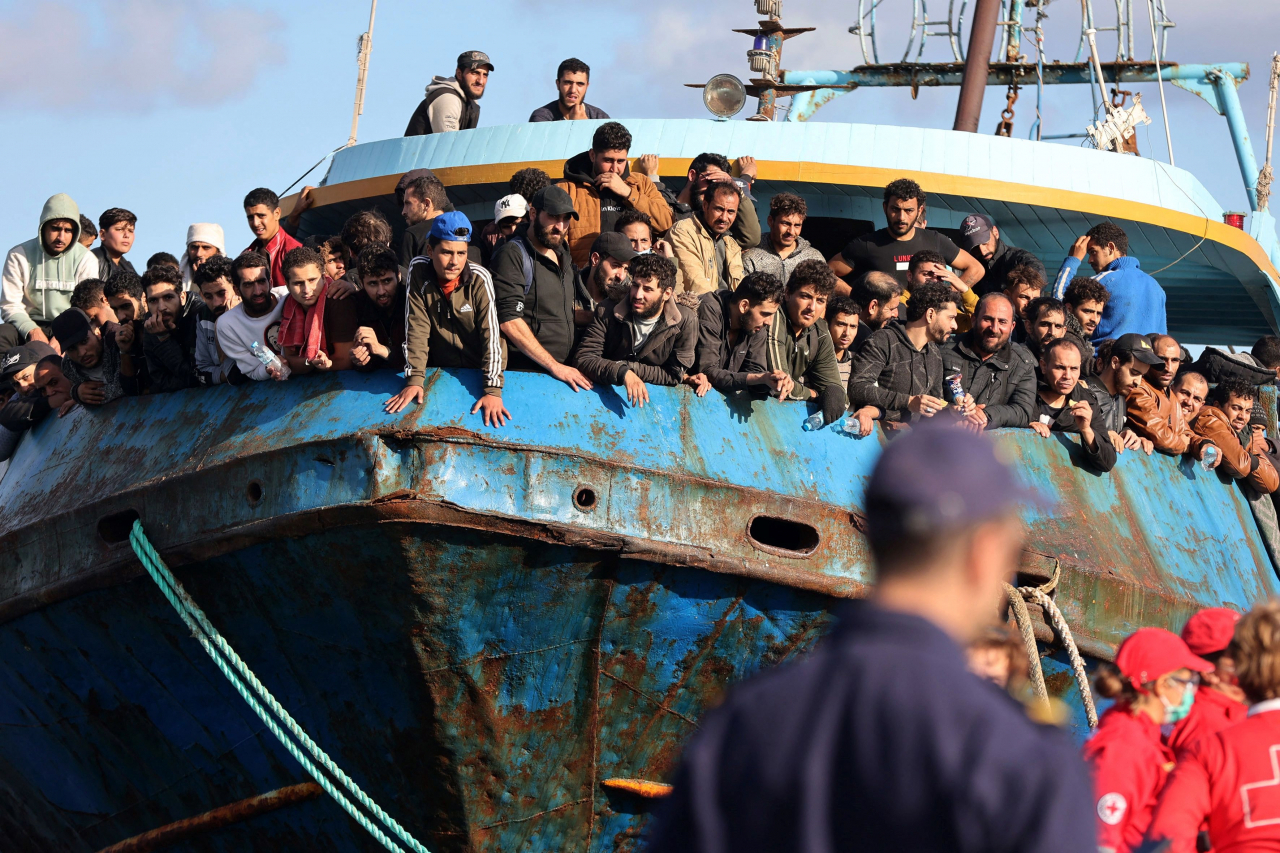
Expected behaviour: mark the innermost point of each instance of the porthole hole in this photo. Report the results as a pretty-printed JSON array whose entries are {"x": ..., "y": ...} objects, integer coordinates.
[
  {"x": 115, "y": 528},
  {"x": 783, "y": 534},
  {"x": 254, "y": 492},
  {"x": 585, "y": 498}
]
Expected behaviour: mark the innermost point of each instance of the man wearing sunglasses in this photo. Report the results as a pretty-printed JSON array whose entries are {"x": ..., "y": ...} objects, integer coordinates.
[{"x": 452, "y": 320}]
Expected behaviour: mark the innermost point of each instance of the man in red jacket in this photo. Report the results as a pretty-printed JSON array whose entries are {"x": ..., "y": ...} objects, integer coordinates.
[
  {"x": 1219, "y": 701},
  {"x": 262, "y": 210}
]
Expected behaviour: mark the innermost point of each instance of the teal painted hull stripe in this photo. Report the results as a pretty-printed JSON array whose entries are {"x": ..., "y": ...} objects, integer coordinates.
[{"x": 227, "y": 660}]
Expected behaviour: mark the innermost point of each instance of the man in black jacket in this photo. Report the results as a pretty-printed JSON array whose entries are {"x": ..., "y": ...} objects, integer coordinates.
[
  {"x": 649, "y": 339},
  {"x": 997, "y": 374},
  {"x": 1064, "y": 404},
  {"x": 169, "y": 333},
  {"x": 899, "y": 368},
  {"x": 980, "y": 237},
  {"x": 537, "y": 289},
  {"x": 733, "y": 338}
]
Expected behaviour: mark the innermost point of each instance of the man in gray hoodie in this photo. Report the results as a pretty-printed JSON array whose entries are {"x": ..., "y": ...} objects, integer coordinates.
[
  {"x": 452, "y": 103},
  {"x": 40, "y": 274}
]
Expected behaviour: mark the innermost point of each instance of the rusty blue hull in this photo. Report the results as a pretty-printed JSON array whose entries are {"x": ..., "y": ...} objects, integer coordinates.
[{"x": 480, "y": 626}]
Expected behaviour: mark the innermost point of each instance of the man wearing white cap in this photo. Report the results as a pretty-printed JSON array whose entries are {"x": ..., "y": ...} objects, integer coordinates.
[
  {"x": 204, "y": 240},
  {"x": 508, "y": 213}
]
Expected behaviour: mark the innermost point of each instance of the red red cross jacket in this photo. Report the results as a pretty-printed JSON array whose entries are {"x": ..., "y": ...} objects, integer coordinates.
[
  {"x": 1232, "y": 778},
  {"x": 1212, "y": 712},
  {"x": 1129, "y": 765}
]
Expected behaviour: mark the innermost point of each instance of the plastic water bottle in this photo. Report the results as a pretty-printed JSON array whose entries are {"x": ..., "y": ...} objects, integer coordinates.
[
  {"x": 269, "y": 359},
  {"x": 812, "y": 422},
  {"x": 1210, "y": 456}
]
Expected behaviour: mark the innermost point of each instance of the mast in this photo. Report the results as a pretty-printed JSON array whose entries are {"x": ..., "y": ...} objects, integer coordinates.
[
  {"x": 365, "y": 47},
  {"x": 977, "y": 65}
]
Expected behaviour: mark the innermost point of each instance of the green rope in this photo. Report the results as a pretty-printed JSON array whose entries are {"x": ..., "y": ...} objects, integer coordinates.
[{"x": 238, "y": 673}]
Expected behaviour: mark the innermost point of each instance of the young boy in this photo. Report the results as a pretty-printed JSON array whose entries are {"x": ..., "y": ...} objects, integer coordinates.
[
  {"x": 116, "y": 227},
  {"x": 452, "y": 320}
]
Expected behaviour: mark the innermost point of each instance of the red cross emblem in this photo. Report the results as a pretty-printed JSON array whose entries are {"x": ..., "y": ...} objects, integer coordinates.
[
  {"x": 1262, "y": 799},
  {"x": 1111, "y": 808}
]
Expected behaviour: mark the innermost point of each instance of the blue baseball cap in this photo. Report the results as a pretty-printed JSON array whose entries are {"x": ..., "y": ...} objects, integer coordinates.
[
  {"x": 938, "y": 477},
  {"x": 451, "y": 226}
]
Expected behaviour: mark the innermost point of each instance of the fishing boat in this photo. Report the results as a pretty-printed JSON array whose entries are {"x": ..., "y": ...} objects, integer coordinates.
[{"x": 504, "y": 637}]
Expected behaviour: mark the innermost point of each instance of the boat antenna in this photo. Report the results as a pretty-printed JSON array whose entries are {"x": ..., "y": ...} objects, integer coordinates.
[
  {"x": 1155, "y": 51},
  {"x": 1264, "y": 176},
  {"x": 363, "y": 48}
]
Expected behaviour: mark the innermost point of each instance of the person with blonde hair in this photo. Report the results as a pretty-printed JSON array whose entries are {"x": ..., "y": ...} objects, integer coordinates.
[
  {"x": 1231, "y": 779},
  {"x": 1153, "y": 682}
]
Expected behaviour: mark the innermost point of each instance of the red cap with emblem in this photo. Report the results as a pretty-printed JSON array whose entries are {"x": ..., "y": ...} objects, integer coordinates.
[
  {"x": 1210, "y": 630},
  {"x": 1149, "y": 653}
]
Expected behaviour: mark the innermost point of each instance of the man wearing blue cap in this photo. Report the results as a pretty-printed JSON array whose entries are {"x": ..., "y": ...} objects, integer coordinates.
[
  {"x": 452, "y": 320},
  {"x": 881, "y": 739}
]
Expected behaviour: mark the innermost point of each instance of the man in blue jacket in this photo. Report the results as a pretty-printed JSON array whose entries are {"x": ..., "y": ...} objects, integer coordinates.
[{"x": 1137, "y": 300}]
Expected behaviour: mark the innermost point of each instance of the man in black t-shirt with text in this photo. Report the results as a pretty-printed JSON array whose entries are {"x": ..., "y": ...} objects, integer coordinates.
[{"x": 889, "y": 250}]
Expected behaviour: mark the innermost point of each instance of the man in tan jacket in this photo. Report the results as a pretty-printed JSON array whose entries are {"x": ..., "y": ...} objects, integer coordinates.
[
  {"x": 708, "y": 258},
  {"x": 1155, "y": 414},
  {"x": 1222, "y": 421},
  {"x": 602, "y": 186}
]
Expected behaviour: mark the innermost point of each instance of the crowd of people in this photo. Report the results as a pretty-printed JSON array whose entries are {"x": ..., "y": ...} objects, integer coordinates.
[{"x": 607, "y": 275}]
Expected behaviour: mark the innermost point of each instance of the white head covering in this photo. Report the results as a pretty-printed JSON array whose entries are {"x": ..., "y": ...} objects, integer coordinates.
[{"x": 201, "y": 232}]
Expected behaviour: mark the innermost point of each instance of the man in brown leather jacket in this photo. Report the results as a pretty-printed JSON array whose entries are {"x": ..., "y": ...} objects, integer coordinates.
[
  {"x": 1222, "y": 421},
  {"x": 1153, "y": 412}
]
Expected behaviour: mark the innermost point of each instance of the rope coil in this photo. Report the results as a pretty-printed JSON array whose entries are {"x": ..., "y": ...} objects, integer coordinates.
[
  {"x": 1040, "y": 595},
  {"x": 238, "y": 673}
]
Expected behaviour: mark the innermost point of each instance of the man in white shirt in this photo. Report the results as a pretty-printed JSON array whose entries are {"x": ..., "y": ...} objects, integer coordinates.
[{"x": 256, "y": 319}]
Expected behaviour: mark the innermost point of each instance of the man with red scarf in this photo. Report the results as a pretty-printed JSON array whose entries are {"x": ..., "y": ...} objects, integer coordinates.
[{"x": 316, "y": 333}]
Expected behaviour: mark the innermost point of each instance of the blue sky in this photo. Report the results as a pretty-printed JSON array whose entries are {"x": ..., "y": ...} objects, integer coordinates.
[{"x": 176, "y": 109}]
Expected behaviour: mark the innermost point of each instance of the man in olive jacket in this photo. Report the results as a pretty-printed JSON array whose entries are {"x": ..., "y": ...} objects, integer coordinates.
[
  {"x": 997, "y": 373},
  {"x": 451, "y": 320},
  {"x": 650, "y": 339}
]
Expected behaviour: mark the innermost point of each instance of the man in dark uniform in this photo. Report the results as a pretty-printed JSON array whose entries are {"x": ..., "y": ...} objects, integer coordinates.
[{"x": 881, "y": 739}]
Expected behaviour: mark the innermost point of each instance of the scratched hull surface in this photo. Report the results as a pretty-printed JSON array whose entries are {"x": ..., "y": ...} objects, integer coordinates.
[
  {"x": 480, "y": 625},
  {"x": 477, "y": 689}
]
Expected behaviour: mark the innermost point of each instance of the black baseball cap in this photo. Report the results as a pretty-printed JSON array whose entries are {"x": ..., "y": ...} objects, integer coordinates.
[
  {"x": 20, "y": 358},
  {"x": 71, "y": 327},
  {"x": 975, "y": 230},
  {"x": 474, "y": 59},
  {"x": 554, "y": 200},
  {"x": 1138, "y": 346},
  {"x": 938, "y": 477},
  {"x": 611, "y": 244}
]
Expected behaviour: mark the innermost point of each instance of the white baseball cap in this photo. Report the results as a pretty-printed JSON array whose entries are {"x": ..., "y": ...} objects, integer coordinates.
[{"x": 510, "y": 206}]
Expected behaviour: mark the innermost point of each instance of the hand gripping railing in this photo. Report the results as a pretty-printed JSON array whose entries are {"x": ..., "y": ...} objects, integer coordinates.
[{"x": 247, "y": 684}]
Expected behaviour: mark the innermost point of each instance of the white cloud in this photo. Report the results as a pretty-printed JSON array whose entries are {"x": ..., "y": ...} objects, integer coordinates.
[{"x": 132, "y": 55}]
